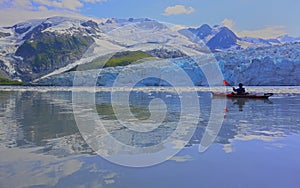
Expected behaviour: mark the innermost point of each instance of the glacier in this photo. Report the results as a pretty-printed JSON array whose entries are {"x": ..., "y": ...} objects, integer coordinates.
[
  {"x": 264, "y": 66},
  {"x": 253, "y": 61}
]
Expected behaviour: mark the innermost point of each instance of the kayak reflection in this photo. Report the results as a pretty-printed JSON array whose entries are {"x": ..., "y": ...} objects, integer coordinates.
[{"x": 240, "y": 102}]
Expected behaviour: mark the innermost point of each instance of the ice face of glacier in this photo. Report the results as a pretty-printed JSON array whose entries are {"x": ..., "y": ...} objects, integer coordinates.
[
  {"x": 268, "y": 66},
  {"x": 277, "y": 65}
]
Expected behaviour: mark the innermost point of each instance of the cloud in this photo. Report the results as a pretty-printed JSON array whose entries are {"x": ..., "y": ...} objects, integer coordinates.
[
  {"x": 94, "y": 1},
  {"x": 22, "y": 3},
  {"x": 42, "y": 8},
  {"x": 228, "y": 23},
  {"x": 4, "y": 2},
  {"x": 8, "y": 16},
  {"x": 49, "y": 4},
  {"x": 267, "y": 32},
  {"x": 63, "y": 4},
  {"x": 178, "y": 9},
  {"x": 15, "y": 3}
]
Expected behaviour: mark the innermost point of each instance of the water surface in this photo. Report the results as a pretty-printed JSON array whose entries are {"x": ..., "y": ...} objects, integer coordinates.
[{"x": 257, "y": 146}]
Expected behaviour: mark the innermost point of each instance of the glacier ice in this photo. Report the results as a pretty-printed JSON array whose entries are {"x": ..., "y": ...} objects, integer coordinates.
[{"x": 268, "y": 66}]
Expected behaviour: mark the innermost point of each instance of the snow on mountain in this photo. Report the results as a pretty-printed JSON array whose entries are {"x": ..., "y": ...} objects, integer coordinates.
[
  {"x": 256, "y": 40},
  {"x": 224, "y": 39},
  {"x": 134, "y": 35},
  {"x": 62, "y": 25},
  {"x": 29, "y": 43},
  {"x": 27, "y": 48},
  {"x": 286, "y": 39},
  {"x": 219, "y": 38},
  {"x": 202, "y": 32},
  {"x": 215, "y": 38},
  {"x": 146, "y": 34},
  {"x": 109, "y": 37},
  {"x": 113, "y": 23}
]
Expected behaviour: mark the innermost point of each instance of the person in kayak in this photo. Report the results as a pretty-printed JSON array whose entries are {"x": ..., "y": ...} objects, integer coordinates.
[{"x": 240, "y": 90}]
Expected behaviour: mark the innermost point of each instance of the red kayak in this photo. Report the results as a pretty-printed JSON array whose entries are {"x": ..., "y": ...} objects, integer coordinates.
[{"x": 246, "y": 96}]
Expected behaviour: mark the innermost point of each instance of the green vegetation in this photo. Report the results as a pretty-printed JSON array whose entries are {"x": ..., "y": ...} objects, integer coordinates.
[
  {"x": 126, "y": 58},
  {"x": 5, "y": 81},
  {"x": 50, "y": 51},
  {"x": 118, "y": 59}
]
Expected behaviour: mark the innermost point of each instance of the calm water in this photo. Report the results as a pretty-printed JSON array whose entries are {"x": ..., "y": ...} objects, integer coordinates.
[{"x": 258, "y": 144}]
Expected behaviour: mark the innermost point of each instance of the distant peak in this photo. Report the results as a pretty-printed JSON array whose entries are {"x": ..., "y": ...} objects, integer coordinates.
[{"x": 205, "y": 26}]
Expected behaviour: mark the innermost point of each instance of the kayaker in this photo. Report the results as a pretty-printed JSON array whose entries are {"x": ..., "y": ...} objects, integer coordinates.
[{"x": 240, "y": 90}]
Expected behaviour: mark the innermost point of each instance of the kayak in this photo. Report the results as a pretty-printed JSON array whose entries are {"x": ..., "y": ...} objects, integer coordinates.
[{"x": 246, "y": 96}]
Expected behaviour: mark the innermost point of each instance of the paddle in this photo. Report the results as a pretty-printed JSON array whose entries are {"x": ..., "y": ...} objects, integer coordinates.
[{"x": 226, "y": 83}]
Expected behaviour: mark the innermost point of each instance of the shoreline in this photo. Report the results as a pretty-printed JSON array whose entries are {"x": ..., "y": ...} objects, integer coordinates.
[{"x": 252, "y": 89}]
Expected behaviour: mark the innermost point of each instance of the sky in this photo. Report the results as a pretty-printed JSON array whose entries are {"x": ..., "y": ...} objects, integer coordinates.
[{"x": 257, "y": 18}]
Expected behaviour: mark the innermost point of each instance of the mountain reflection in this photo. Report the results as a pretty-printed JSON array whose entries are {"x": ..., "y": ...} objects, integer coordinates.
[{"x": 31, "y": 119}]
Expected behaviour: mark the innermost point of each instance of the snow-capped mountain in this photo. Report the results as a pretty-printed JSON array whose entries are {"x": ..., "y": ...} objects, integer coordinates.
[
  {"x": 216, "y": 38},
  {"x": 220, "y": 38},
  {"x": 224, "y": 39},
  {"x": 286, "y": 39},
  {"x": 146, "y": 34},
  {"x": 37, "y": 49}
]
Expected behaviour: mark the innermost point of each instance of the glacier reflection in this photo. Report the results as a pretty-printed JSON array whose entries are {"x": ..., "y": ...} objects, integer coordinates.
[{"x": 40, "y": 143}]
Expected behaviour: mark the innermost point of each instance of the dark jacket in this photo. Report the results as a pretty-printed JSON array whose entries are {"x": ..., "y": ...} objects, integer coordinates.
[{"x": 240, "y": 90}]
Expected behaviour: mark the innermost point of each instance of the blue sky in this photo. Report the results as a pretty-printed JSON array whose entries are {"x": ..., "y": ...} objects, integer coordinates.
[{"x": 259, "y": 17}]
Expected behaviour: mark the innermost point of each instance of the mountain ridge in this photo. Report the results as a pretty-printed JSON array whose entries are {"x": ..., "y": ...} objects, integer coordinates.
[
  {"x": 212, "y": 37},
  {"x": 42, "y": 47}
]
